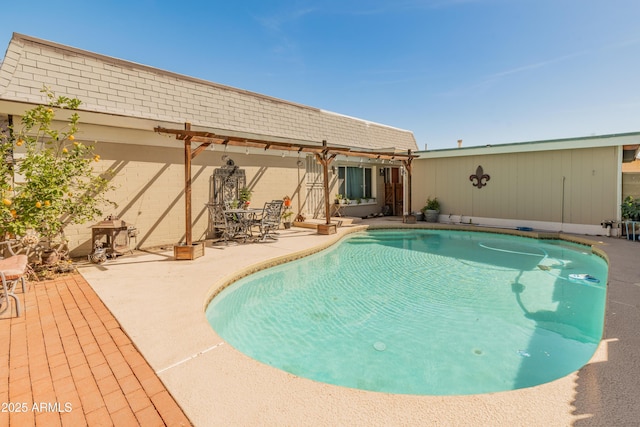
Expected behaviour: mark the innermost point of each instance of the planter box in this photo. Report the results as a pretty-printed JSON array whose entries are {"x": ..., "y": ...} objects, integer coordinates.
[
  {"x": 304, "y": 224},
  {"x": 182, "y": 251},
  {"x": 327, "y": 228},
  {"x": 431, "y": 215},
  {"x": 409, "y": 219}
]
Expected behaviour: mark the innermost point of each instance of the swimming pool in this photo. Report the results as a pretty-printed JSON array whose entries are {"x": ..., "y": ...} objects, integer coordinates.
[{"x": 422, "y": 312}]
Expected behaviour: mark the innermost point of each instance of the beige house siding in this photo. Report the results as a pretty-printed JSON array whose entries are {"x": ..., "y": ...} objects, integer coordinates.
[
  {"x": 564, "y": 186},
  {"x": 149, "y": 186},
  {"x": 149, "y": 190}
]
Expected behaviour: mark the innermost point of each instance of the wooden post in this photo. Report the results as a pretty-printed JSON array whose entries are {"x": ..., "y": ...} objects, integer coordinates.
[
  {"x": 187, "y": 186},
  {"x": 325, "y": 160},
  {"x": 410, "y": 218},
  {"x": 189, "y": 250},
  {"x": 407, "y": 165},
  {"x": 327, "y": 205}
]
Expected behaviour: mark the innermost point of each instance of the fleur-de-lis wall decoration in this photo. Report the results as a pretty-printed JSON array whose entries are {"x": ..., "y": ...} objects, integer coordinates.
[{"x": 480, "y": 178}]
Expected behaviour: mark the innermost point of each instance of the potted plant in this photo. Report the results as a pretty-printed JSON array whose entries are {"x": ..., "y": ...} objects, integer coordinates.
[
  {"x": 287, "y": 213},
  {"x": 245, "y": 197},
  {"x": 286, "y": 218},
  {"x": 630, "y": 209},
  {"x": 431, "y": 210}
]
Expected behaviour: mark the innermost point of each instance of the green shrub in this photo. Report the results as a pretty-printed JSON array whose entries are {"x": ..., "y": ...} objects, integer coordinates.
[
  {"x": 431, "y": 205},
  {"x": 630, "y": 209},
  {"x": 52, "y": 185}
]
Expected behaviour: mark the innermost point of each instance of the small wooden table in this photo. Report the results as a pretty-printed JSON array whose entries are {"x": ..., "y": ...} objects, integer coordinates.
[{"x": 338, "y": 209}]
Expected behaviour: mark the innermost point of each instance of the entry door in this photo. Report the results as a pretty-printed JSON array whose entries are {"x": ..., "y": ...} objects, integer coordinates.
[{"x": 393, "y": 191}]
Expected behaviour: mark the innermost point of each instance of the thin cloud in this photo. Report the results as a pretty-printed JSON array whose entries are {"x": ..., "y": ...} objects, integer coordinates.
[
  {"x": 493, "y": 79},
  {"x": 536, "y": 65},
  {"x": 622, "y": 44},
  {"x": 276, "y": 23},
  {"x": 386, "y": 7}
]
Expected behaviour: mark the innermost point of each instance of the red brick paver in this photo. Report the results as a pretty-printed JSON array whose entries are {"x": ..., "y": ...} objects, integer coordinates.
[{"x": 67, "y": 362}]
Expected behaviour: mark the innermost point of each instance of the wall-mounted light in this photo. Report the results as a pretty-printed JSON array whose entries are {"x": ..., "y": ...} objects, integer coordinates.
[{"x": 333, "y": 170}]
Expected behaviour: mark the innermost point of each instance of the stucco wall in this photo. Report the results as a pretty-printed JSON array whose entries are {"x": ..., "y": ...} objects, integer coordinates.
[
  {"x": 150, "y": 189},
  {"x": 563, "y": 186}
]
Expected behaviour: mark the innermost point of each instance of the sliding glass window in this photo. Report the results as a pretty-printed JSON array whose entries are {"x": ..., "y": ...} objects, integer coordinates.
[{"x": 355, "y": 182}]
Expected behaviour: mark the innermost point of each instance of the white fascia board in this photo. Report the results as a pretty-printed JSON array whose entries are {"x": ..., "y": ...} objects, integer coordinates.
[{"x": 525, "y": 147}]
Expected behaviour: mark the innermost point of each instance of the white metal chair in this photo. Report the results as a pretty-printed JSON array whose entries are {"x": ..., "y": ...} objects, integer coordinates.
[
  {"x": 236, "y": 225},
  {"x": 270, "y": 220}
]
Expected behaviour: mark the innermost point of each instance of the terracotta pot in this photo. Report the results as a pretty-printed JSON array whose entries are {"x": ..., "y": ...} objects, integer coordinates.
[{"x": 50, "y": 257}]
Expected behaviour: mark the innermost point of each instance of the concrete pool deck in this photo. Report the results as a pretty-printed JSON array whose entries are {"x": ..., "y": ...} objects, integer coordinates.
[{"x": 160, "y": 303}]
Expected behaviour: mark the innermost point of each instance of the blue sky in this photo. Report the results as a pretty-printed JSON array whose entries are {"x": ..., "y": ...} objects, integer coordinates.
[{"x": 485, "y": 71}]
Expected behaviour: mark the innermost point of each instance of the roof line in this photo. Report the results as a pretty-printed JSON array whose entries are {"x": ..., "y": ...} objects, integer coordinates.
[
  {"x": 366, "y": 122},
  {"x": 48, "y": 43},
  {"x": 520, "y": 144},
  {"x": 127, "y": 63}
]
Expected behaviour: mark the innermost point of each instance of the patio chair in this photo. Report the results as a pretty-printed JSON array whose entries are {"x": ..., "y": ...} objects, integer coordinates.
[
  {"x": 270, "y": 220},
  {"x": 216, "y": 215},
  {"x": 235, "y": 225},
  {"x": 12, "y": 270}
]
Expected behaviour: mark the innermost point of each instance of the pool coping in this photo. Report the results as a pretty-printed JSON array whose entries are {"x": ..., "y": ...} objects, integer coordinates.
[{"x": 216, "y": 385}]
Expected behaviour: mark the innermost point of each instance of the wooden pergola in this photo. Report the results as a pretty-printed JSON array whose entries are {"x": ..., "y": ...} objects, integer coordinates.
[{"x": 324, "y": 153}]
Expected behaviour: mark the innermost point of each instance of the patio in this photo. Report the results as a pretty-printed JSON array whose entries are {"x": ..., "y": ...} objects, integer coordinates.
[
  {"x": 68, "y": 356},
  {"x": 159, "y": 303}
]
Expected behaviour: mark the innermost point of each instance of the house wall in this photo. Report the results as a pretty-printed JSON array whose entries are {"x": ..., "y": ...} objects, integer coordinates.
[
  {"x": 569, "y": 190},
  {"x": 149, "y": 189}
]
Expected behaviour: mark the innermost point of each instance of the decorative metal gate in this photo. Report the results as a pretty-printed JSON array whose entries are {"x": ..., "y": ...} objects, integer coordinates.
[{"x": 225, "y": 186}]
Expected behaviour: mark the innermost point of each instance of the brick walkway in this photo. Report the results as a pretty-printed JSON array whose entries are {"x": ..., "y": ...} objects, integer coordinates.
[{"x": 67, "y": 362}]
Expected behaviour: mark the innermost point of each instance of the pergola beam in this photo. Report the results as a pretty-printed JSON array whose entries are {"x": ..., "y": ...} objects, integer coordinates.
[
  {"x": 324, "y": 153},
  {"x": 279, "y": 144}
]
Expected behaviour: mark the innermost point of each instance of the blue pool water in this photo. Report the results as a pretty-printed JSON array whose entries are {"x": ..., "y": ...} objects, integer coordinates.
[{"x": 422, "y": 312}]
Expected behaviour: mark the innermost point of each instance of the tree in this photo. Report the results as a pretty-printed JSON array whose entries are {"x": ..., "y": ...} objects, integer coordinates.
[{"x": 53, "y": 184}]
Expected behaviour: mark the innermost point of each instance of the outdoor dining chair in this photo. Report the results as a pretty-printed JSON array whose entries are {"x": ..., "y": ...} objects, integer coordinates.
[
  {"x": 12, "y": 270},
  {"x": 238, "y": 223},
  {"x": 270, "y": 220}
]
